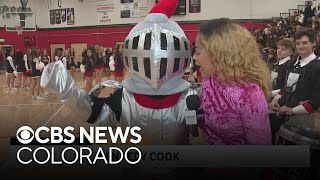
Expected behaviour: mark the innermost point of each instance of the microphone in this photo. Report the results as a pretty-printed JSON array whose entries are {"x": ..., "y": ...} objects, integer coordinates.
[{"x": 193, "y": 104}]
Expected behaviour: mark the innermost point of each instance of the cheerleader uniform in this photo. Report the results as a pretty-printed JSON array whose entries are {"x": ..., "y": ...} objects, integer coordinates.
[
  {"x": 68, "y": 60},
  {"x": 301, "y": 91},
  {"x": 27, "y": 72},
  {"x": 9, "y": 67},
  {"x": 118, "y": 65},
  {"x": 21, "y": 68},
  {"x": 89, "y": 67},
  {"x": 73, "y": 64},
  {"x": 45, "y": 60},
  {"x": 278, "y": 74},
  {"x": 108, "y": 55},
  {"x": 70, "y": 63},
  {"x": 99, "y": 64},
  {"x": 34, "y": 71},
  {"x": 63, "y": 59}
]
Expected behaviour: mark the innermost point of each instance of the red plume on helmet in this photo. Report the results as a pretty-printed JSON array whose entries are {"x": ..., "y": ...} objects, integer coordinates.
[{"x": 166, "y": 7}]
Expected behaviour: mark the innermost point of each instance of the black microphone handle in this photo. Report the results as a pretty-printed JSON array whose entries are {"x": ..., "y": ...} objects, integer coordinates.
[{"x": 194, "y": 130}]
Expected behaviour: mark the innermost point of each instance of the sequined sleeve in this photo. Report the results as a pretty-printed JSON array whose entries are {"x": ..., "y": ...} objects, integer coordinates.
[{"x": 255, "y": 116}]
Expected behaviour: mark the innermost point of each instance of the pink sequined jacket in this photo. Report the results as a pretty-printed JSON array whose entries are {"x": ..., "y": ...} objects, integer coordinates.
[{"x": 234, "y": 114}]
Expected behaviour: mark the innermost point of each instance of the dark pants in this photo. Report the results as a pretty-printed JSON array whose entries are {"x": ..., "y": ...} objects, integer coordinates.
[{"x": 275, "y": 123}]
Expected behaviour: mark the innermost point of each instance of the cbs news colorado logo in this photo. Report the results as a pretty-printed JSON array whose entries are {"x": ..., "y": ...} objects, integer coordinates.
[{"x": 46, "y": 153}]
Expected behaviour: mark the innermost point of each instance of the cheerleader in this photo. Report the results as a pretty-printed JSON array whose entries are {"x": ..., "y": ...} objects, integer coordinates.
[
  {"x": 20, "y": 67},
  {"x": 59, "y": 57},
  {"x": 108, "y": 54},
  {"x": 11, "y": 70},
  {"x": 69, "y": 62},
  {"x": 118, "y": 64},
  {"x": 111, "y": 63},
  {"x": 44, "y": 57},
  {"x": 87, "y": 68},
  {"x": 285, "y": 49},
  {"x": 26, "y": 80},
  {"x": 72, "y": 63},
  {"x": 99, "y": 65},
  {"x": 36, "y": 69},
  {"x": 300, "y": 97}
]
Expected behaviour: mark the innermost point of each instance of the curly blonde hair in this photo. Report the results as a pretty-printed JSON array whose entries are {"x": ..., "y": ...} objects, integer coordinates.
[{"x": 235, "y": 52}]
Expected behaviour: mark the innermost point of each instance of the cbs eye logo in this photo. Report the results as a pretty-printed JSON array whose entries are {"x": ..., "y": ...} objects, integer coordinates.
[{"x": 25, "y": 134}]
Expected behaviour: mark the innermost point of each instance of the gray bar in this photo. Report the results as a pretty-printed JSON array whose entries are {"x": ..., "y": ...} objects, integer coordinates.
[{"x": 182, "y": 156}]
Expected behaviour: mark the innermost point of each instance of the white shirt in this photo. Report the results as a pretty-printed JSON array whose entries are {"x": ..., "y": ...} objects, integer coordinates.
[
  {"x": 282, "y": 61},
  {"x": 306, "y": 60}
]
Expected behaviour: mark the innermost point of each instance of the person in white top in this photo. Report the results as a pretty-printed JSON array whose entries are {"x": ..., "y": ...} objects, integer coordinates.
[
  {"x": 286, "y": 48},
  {"x": 10, "y": 69},
  {"x": 20, "y": 66},
  {"x": 36, "y": 66},
  {"x": 45, "y": 59},
  {"x": 59, "y": 57},
  {"x": 26, "y": 80},
  {"x": 299, "y": 99},
  {"x": 111, "y": 64}
]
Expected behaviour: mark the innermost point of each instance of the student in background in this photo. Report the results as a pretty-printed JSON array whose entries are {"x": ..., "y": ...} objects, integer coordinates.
[
  {"x": 299, "y": 99},
  {"x": 26, "y": 79},
  {"x": 118, "y": 64},
  {"x": 36, "y": 69},
  {"x": 44, "y": 57},
  {"x": 285, "y": 50},
  {"x": 1, "y": 60},
  {"x": 69, "y": 62},
  {"x": 73, "y": 64},
  {"x": 87, "y": 68},
  {"x": 10, "y": 69},
  {"x": 99, "y": 65},
  {"x": 111, "y": 63},
  {"x": 59, "y": 57},
  {"x": 20, "y": 67}
]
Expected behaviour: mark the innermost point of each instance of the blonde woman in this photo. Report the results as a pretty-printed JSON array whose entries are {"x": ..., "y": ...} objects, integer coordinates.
[{"x": 235, "y": 85}]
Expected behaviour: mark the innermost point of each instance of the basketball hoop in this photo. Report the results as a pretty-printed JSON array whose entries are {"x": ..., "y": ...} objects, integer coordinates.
[{"x": 19, "y": 29}]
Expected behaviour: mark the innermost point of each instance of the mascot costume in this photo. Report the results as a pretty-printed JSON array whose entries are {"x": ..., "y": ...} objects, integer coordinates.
[{"x": 153, "y": 96}]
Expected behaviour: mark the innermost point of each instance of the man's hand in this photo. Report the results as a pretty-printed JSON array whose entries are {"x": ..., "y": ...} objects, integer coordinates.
[
  {"x": 284, "y": 110},
  {"x": 274, "y": 105}
]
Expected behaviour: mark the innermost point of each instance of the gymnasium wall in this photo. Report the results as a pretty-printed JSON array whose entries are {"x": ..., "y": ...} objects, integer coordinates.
[
  {"x": 86, "y": 13},
  {"x": 107, "y": 34}
]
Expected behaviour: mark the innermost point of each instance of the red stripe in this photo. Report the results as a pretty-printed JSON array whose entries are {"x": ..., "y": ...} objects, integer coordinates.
[
  {"x": 280, "y": 93},
  {"x": 308, "y": 107},
  {"x": 152, "y": 103}
]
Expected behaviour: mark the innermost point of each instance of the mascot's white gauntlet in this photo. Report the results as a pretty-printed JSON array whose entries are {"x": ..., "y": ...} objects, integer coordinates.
[{"x": 57, "y": 78}]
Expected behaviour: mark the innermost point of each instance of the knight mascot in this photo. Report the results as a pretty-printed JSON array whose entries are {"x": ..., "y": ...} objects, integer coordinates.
[{"x": 153, "y": 96}]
